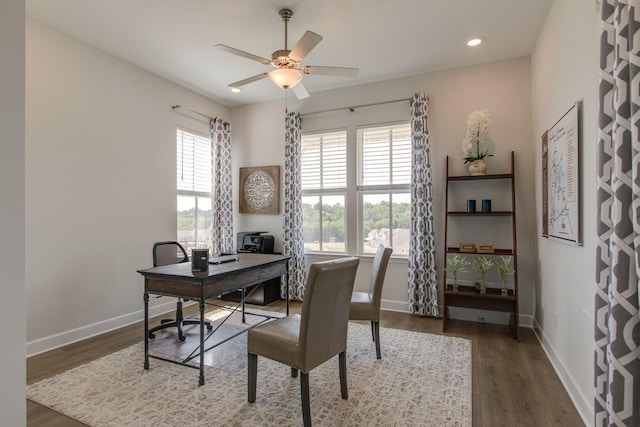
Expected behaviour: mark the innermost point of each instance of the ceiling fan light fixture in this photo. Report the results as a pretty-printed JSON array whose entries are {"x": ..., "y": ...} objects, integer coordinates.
[{"x": 285, "y": 78}]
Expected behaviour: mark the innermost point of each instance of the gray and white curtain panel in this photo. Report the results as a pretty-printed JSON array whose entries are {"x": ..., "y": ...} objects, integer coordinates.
[
  {"x": 617, "y": 323},
  {"x": 221, "y": 188},
  {"x": 423, "y": 283},
  {"x": 293, "y": 239}
]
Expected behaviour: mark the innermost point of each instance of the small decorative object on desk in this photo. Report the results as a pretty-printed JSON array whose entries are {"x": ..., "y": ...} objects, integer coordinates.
[
  {"x": 504, "y": 269},
  {"x": 475, "y": 145},
  {"x": 482, "y": 265},
  {"x": 455, "y": 265},
  {"x": 199, "y": 260}
]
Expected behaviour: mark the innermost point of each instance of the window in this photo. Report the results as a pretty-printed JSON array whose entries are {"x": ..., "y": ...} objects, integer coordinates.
[
  {"x": 370, "y": 175},
  {"x": 384, "y": 179},
  {"x": 324, "y": 188},
  {"x": 193, "y": 189}
]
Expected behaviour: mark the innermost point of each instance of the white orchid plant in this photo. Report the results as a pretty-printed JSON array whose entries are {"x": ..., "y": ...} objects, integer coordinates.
[{"x": 475, "y": 144}]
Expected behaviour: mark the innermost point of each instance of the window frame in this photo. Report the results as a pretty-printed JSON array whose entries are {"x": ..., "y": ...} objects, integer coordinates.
[
  {"x": 389, "y": 189},
  {"x": 196, "y": 194},
  {"x": 332, "y": 191},
  {"x": 355, "y": 193}
]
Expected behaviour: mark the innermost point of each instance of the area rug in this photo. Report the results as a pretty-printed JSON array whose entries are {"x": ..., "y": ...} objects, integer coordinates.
[{"x": 422, "y": 380}]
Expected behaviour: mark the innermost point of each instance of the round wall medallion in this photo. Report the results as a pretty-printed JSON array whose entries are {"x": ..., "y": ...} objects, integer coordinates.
[{"x": 259, "y": 189}]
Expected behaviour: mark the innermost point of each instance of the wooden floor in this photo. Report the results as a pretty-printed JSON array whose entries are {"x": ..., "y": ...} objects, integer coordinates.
[{"x": 514, "y": 383}]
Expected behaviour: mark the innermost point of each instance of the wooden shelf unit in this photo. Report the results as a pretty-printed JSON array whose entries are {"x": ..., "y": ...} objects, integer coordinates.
[{"x": 469, "y": 296}]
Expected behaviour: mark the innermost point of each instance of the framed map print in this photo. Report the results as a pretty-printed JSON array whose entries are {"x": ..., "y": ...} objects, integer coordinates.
[
  {"x": 260, "y": 190},
  {"x": 562, "y": 180}
]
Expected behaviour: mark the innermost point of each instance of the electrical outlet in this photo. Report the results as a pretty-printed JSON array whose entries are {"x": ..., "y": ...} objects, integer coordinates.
[{"x": 555, "y": 321}]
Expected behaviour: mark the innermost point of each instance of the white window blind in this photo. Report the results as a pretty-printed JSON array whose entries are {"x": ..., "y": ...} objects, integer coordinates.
[
  {"x": 193, "y": 162},
  {"x": 385, "y": 155},
  {"x": 324, "y": 161}
]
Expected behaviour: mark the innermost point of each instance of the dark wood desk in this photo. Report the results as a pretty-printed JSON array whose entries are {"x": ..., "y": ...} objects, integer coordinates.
[{"x": 177, "y": 280}]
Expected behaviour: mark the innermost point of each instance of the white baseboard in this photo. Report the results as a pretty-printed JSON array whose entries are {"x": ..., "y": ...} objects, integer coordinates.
[
  {"x": 583, "y": 404},
  {"x": 391, "y": 305},
  {"x": 42, "y": 345}
]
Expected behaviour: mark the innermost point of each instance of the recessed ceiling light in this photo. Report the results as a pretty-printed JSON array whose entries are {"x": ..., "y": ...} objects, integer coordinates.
[
  {"x": 236, "y": 90},
  {"x": 474, "y": 42}
]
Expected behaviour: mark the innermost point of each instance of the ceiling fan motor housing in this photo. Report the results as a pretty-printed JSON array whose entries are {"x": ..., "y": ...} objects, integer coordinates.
[{"x": 280, "y": 58}]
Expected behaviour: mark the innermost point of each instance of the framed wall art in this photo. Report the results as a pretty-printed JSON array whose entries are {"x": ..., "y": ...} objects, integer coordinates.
[
  {"x": 562, "y": 184},
  {"x": 260, "y": 190}
]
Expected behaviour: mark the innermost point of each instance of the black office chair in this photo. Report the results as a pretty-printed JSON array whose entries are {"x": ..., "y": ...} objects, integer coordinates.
[{"x": 165, "y": 253}]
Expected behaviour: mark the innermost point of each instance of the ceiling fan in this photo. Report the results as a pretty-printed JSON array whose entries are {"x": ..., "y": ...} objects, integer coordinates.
[{"x": 288, "y": 73}]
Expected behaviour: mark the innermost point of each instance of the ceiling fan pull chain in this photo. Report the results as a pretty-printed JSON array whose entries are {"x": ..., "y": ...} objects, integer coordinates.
[{"x": 286, "y": 104}]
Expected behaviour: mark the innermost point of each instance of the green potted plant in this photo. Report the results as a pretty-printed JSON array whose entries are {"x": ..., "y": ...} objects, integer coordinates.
[
  {"x": 455, "y": 265},
  {"x": 504, "y": 269},
  {"x": 482, "y": 265}
]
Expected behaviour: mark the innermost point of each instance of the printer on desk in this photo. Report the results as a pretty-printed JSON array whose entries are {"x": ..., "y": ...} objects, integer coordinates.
[{"x": 255, "y": 242}]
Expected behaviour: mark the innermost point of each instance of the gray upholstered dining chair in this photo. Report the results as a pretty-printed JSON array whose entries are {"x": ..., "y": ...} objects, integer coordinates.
[
  {"x": 165, "y": 253},
  {"x": 366, "y": 305},
  {"x": 305, "y": 341}
]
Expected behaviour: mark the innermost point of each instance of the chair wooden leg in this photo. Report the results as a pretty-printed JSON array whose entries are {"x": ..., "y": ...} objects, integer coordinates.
[
  {"x": 252, "y": 369},
  {"x": 304, "y": 395},
  {"x": 376, "y": 333},
  {"x": 294, "y": 372},
  {"x": 342, "y": 363}
]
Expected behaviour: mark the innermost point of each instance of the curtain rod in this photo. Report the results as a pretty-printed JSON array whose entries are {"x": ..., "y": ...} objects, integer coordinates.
[
  {"x": 182, "y": 107},
  {"x": 352, "y": 108}
]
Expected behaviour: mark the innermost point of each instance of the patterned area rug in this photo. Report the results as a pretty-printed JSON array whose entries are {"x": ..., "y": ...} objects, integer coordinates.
[{"x": 422, "y": 380}]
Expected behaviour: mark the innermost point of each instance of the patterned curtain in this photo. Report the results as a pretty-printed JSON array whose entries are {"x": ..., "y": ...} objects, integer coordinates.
[
  {"x": 222, "y": 188},
  {"x": 617, "y": 323},
  {"x": 293, "y": 240},
  {"x": 423, "y": 284}
]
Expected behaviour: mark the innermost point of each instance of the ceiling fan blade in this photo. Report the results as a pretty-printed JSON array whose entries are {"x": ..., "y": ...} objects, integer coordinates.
[
  {"x": 242, "y": 53},
  {"x": 300, "y": 91},
  {"x": 249, "y": 80},
  {"x": 331, "y": 71},
  {"x": 307, "y": 42}
]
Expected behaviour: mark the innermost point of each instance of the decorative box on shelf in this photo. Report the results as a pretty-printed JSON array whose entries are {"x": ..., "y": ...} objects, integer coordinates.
[
  {"x": 483, "y": 248},
  {"x": 467, "y": 247}
]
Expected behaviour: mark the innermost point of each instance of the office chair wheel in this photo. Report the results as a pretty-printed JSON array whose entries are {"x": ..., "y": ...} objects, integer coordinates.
[
  {"x": 209, "y": 326},
  {"x": 151, "y": 335}
]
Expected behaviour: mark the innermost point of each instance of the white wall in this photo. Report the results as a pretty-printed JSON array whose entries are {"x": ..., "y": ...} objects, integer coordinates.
[
  {"x": 564, "y": 70},
  {"x": 503, "y": 88},
  {"x": 100, "y": 186},
  {"x": 12, "y": 223}
]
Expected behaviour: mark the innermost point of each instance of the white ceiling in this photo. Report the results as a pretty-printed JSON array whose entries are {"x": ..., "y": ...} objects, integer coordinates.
[{"x": 383, "y": 38}]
